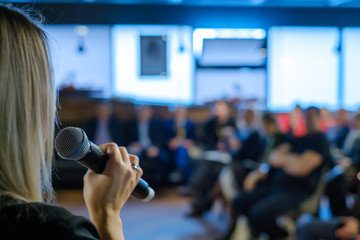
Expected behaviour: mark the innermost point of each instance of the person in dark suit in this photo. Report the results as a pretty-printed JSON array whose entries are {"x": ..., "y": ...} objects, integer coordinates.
[
  {"x": 251, "y": 140},
  {"x": 338, "y": 133},
  {"x": 180, "y": 134},
  {"x": 105, "y": 127},
  {"x": 146, "y": 138},
  {"x": 213, "y": 137},
  {"x": 342, "y": 179},
  {"x": 215, "y": 140}
]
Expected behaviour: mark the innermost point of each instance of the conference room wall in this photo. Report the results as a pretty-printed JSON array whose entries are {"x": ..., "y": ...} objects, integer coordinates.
[{"x": 199, "y": 16}]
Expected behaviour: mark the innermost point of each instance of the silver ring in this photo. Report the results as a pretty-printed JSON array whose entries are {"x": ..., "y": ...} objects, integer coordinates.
[{"x": 135, "y": 166}]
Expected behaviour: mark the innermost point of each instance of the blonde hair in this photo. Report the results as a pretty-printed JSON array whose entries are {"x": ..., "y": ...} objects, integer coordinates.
[{"x": 27, "y": 108}]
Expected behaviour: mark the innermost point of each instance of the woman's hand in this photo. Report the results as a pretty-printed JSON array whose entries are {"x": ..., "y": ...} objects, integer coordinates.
[{"x": 105, "y": 194}]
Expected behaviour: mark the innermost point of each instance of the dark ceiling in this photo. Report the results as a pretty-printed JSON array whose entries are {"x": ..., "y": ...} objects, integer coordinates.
[{"x": 247, "y": 3}]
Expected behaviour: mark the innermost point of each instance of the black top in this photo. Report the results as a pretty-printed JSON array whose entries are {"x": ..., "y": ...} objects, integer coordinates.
[
  {"x": 341, "y": 135},
  {"x": 115, "y": 128},
  {"x": 187, "y": 131},
  {"x": 211, "y": 132},
  {"x": 316, "y": 142},
  {"x": 354, "y": 154},
  {"x": 20, "y": 220},
  {"x": 155, "y": 132},
  {"x": 272, "y": 142},
  {"x": 252, "y": 148}
]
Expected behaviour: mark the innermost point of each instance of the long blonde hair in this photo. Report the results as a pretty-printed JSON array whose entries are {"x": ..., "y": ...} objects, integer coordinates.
[{"x": 27, "y": 108}]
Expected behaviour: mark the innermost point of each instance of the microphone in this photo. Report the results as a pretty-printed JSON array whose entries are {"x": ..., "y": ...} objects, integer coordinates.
[{"x": 71, "y": 143}]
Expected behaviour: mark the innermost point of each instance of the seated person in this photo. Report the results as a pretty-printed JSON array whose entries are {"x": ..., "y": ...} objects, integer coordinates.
[
  {"x": 297, "y": 167},
  {"x": 145, "y": 137},
  {"x": 338, "y": 133},
  {"x": 105, "y": 127},
  {"x": 180, "y": 134},
  {"x": 327, "y": 120},
  {"x": 245, "y": 158},
  {"x": 234, "y": 184},
  {"x": 250, "y": 138},
  {"x": 206, "y": 172},
  {"x": 343, "y": 177},
  {"x": 274, "y": 138},
  {"x": 297, "y": 122}
]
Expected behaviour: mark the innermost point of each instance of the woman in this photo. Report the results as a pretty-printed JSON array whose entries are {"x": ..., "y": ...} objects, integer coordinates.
[{"x": 27, "y": 110}]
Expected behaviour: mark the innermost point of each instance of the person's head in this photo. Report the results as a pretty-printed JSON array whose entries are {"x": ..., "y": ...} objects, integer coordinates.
[
  {"x": 180, "y": 113},
  {"x": 357, "y": 121},
  {"x": 104, "y": 110},
  {"x": 342, "y": 117},
  {"x": 325, "y": 114},
  {"x": 249, "y": 117},
  {"x": 312, "y": 118},
  {"x": 220, "y": 109},
  {"x": 144, "y": 113},
  {"x": 269, "y": 124},
  {"x": 27, "y": 108}
]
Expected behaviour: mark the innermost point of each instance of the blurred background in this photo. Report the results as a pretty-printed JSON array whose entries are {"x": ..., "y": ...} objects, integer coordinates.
[{"x": 120, "y": 63}]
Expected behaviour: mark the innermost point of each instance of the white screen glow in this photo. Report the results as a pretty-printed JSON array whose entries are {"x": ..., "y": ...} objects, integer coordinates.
[
  {"x": 176, "y": 87},
  {"x": 81, "y": 57},
  {"x": 244, "y": 84},
  {"x": 351, "y": 54},
  {"x": 302, "y": 67}
]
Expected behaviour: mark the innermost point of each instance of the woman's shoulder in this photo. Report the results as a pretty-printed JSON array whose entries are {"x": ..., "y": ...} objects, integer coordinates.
[{"x": 42, "y": 221}]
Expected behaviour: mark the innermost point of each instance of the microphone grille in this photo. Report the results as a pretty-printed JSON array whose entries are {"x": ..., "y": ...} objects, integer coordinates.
[{"x": 72, "y": 143}]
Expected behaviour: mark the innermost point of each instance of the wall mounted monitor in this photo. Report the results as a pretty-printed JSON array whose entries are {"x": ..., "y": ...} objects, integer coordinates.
[
  {"x": 153, "y": 56},
  {"x": 230, "y": 47},
  {"x": 153, "y": 63},
  {"x": 303, "y": 67},
  {"x": 81, "y": 59}
]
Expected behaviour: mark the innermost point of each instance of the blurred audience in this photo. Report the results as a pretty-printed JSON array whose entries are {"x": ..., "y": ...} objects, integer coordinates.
[
  {"x": 250, "y": 138},
  {"x": 217, "y": 142},
  {"x": 244, "y": 160},
  {"x": 104, "y": 127},
  {"x": 213, "y": 133},
  {"x": 297, "y": 167},
  {"x": 260, "y": 176},
  {"x": 342, "y": 227},
  {"x": 274, "y": 138},
  {"x": 297, "y": 122},
  {"x": 338, "y": 133},
  {"x": 239, "y": 180},
  {"x": 342, "y": 178},
  {"x": 327, "y": 121},
  {"x": 180, "y": 133},
  {"x": 145, "y": 137}
]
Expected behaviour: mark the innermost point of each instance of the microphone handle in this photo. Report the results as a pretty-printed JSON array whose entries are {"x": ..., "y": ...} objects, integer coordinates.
[
  {"x": 95, "y": 159},
  {"x": 143, "y": 191}
]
